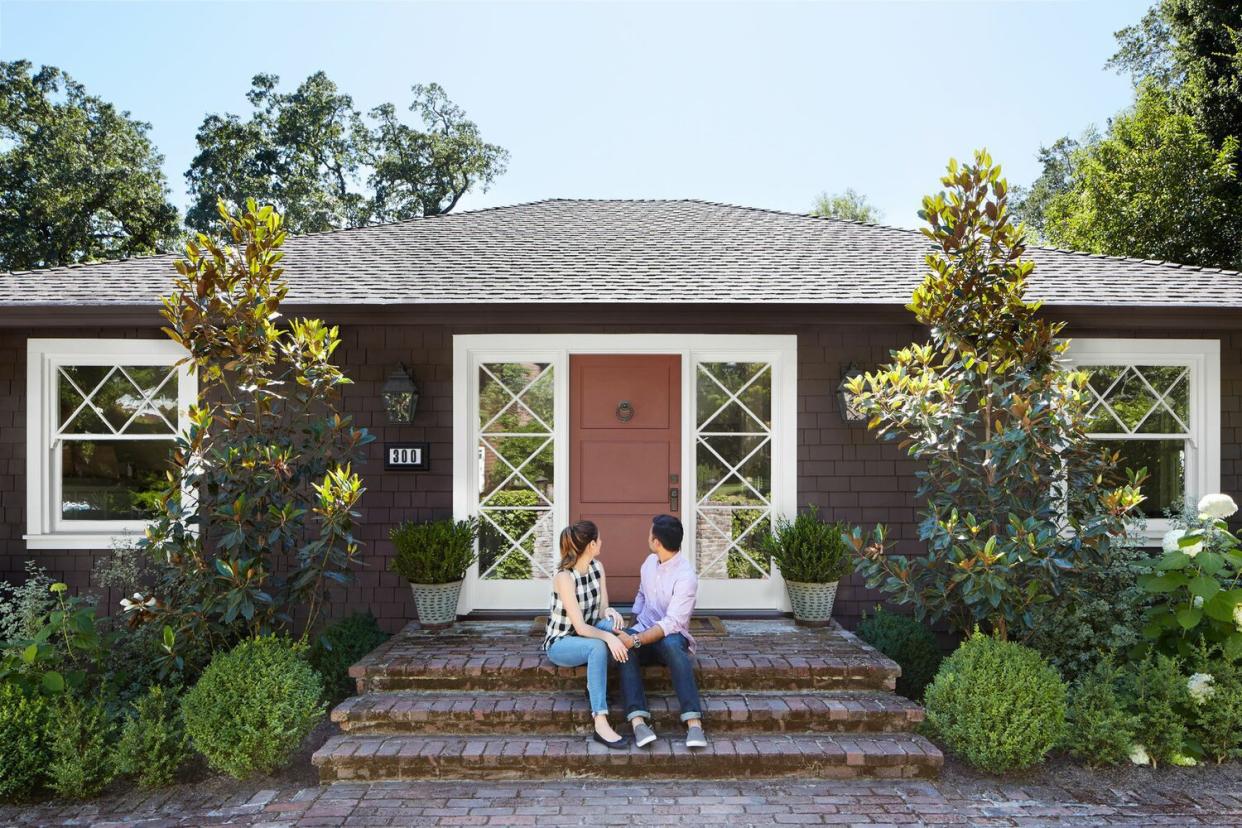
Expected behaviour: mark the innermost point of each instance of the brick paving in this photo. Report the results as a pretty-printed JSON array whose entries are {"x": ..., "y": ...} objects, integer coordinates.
[
  {"x": 604, "y": 802},
  {"x": 481, "y": 701}
]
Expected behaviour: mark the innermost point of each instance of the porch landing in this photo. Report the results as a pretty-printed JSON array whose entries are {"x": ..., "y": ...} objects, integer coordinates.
[{"x": 482, "y": 701}]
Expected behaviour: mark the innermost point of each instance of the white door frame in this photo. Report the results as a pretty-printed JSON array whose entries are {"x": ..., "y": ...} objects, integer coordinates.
[{"x": 469, "y": 350}]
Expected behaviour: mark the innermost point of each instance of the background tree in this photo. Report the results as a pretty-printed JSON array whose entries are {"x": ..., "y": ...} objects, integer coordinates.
[
  {"x": 1163, "y": 181},
  {"x": 1014, "y": 494},
  {"x": 850, "y": 205},
  {"x": 79, "y": 180},
  {"x": 326, "y": 166}
]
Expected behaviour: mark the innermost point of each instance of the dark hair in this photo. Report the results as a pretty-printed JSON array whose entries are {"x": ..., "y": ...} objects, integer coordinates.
[
  {"x": 575, "y": 538},
  {"x": 667, "y": 530}
]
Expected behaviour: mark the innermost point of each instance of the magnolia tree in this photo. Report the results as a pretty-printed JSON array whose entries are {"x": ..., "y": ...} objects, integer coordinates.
[
  {"x": 1014, "y": 494},
  {"x": 257, "y": 523}
]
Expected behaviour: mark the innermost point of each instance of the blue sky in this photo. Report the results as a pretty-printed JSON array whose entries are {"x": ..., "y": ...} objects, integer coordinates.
[{"x": 760, "y": 104}]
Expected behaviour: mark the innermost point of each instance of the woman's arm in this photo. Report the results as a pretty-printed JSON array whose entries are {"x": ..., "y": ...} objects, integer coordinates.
[
  {"x": 564, "y": 585},
  {"x": 605, "y": 610}
]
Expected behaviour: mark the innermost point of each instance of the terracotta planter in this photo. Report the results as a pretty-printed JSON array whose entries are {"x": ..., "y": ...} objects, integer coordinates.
[
  {"x": 436, "y": 603},
  {"x": 812, "y": 603}
]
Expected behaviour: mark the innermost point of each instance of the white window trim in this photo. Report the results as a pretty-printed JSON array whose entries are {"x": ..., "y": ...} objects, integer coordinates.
[
  {"x": 43, "y": 358},
  {"x": 471, "y": 349},
  {"x": 1202, "y": 357}
]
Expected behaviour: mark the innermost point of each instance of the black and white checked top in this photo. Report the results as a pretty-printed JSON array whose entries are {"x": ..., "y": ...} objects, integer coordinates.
[{"x": 587, "y": 588}]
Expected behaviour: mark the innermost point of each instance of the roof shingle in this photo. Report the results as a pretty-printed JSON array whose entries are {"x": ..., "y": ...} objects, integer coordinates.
[{"x": 627, "y": 251}]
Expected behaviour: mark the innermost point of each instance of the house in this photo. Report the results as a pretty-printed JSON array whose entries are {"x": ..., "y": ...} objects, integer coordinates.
[{"x": 605, "y": 359}]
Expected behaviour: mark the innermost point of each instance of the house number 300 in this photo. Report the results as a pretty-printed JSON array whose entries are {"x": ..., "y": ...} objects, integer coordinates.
[{"x": 406, "y": 456}]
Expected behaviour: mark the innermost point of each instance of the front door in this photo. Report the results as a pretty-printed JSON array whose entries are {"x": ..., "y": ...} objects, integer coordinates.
[{"x": 624, "y": 454}]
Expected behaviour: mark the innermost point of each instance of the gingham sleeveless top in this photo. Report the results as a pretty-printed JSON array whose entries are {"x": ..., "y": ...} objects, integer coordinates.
[{"x": 587, "y": 588}]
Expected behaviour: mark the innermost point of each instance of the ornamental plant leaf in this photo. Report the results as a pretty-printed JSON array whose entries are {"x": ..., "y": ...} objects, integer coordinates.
[{"x": 1015, "y": 497}]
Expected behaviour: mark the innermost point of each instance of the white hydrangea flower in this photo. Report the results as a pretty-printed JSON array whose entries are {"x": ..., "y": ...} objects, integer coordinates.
[
  {"x": 1217, "y": 506},
  {"x": 1200, "y": 686},
  {"x": 1197, "y": 602},
  {"x": 1170, "y": 543},
  {"x": 1237, "y": 617},
  {"x": 1183, "y": 760},
  {"x": 1138, "y": 755}
]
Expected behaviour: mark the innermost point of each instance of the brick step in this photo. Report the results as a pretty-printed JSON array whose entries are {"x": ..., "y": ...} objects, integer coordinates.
[
  {"x": 836, "y": 662},
  {"x": 837, "y": 755},
  {"x": 527, "y": 713}
]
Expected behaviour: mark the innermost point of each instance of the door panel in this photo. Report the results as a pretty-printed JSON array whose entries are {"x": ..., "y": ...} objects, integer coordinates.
[{"x": 624, "y": 454}]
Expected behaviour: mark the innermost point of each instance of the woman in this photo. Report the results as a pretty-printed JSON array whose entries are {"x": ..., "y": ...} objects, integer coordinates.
[{"x": 580, "y": 623}]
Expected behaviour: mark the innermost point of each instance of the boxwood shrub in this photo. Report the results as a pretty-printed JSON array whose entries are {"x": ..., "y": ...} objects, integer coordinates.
[
  {"x": 911, "y": 644},
  {"x": 154, "y": 744},
  {"x": 998, "y": 705},
  {"x": 252, "y": 706},
  {"x": 23, "y": 742},
  {"x": 82, "y": 760}
]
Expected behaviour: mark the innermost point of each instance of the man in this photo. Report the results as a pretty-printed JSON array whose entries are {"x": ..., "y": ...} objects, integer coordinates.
[{"x": 660, "y": 633}]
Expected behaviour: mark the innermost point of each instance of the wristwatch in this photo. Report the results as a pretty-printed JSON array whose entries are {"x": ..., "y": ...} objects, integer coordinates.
[{"x": 638, "y": 642}]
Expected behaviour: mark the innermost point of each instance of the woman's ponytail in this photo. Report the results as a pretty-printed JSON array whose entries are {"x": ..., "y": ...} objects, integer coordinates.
[{"x": 575, "y": 538}]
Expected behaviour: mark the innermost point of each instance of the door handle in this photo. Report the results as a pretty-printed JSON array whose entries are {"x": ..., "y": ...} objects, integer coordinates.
[{"x": 673, "y": 496}]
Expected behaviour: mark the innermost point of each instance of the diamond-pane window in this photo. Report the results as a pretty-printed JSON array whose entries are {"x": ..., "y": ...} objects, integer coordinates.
[
  {"x": 1144, "y": 413},
  {"x": 733, "y": 460},
  {"x": 517, "y": 451}
]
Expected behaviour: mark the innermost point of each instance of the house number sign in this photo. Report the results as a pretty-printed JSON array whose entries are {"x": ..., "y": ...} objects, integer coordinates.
[{"x": 407, "y": 456}]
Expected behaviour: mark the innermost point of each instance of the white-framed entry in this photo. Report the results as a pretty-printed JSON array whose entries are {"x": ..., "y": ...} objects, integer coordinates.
[{"x": 511, "y": 465}]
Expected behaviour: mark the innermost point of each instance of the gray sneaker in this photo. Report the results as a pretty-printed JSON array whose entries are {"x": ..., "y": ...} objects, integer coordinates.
[
  {"x": 643, "y": 735},
  {"x": 695, "y": 737}
]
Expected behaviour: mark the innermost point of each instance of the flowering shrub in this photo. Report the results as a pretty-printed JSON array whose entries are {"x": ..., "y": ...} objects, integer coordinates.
[
  {"x": 997, "y": 704},
  {"x": 1195, "y": 583},
  {"x": 1215, "y": 712},
  {"x": 1158, "y": 694}
]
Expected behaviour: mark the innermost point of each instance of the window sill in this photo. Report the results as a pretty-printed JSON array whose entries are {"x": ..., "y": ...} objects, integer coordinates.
[{"x": 81, "y": 540}]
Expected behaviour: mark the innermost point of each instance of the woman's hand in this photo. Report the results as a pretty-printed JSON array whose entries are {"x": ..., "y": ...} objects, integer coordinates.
[
  {"x": 618, "y": 650},
  {"x": 617, "y": 619}
]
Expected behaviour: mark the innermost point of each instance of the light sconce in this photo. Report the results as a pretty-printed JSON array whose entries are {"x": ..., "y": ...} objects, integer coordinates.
[
  {"x": 848, "y": 402},
  {"x": 400, "y": 396}
]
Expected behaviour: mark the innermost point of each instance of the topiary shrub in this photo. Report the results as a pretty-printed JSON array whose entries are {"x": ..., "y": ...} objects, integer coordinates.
[
  {"x": 23, "y": 742},
  {"x": 253, "y": 706},
  {"x": 81, "y": 748},
  {"x": 997, "y": 704},
  {"x": 341, "y": 644},
  {"x": 154, "y": 744},
  {"x": 1100, "y": 729},
  {"x": 907, "y": 642}
]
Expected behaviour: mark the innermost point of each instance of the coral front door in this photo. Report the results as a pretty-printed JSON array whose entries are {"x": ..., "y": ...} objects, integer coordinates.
[{"x": 624, "y": 454}]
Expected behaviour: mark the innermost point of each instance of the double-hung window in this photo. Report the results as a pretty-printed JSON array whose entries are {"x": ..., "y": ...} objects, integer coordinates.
[
  {"x": 102, "y": 417},
  {"x": 1157, "y": 402}
]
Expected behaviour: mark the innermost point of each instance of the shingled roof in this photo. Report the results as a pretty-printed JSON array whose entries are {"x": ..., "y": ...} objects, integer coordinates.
[{"x": 627, "y": 251}]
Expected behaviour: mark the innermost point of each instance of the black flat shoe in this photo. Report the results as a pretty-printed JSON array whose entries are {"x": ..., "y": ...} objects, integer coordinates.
[{"x": 621, "y": 744}]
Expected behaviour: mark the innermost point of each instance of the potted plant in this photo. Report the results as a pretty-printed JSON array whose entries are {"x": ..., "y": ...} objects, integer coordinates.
[
  {"x": 812, "y": 556},
  {"x": 434, "y": 557}
]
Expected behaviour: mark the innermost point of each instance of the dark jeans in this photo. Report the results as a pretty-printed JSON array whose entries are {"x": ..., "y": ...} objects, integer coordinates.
[{"x": 674, "y": 653}]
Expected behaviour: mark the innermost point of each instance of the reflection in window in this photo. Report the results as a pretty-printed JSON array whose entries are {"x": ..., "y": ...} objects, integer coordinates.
[
  {"x": 114, "y": 433},
  {"x": 516, "y": 477},
  {"x": 1143, "y": 412},
  {"x": 733, "y": 459}
]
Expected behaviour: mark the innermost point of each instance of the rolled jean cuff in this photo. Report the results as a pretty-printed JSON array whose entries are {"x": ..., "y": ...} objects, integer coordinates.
[
  {"x": 646, "y": 714},
  {"x": 685, "y": 717},
  {"x": 603, "y": 712}
]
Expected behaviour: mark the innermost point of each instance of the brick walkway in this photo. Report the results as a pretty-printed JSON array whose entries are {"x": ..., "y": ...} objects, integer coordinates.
[{"x": 587, "y": 802}]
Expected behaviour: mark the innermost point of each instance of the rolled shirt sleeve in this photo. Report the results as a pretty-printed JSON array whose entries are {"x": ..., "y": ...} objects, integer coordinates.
[{"x": 681, "y": 606}]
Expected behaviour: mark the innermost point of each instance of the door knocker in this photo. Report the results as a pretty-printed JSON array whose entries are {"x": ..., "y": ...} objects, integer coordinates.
[{"x": 625, "y": 411}]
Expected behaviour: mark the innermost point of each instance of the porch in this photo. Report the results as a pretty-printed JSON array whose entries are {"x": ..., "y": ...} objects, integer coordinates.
[{"x": 481, "y": 701}]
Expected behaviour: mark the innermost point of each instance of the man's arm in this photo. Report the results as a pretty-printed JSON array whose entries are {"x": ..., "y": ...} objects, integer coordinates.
[{"x": 677, "y": 617}]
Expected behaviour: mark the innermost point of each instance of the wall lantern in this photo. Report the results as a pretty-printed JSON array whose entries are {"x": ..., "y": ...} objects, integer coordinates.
[
  {"x": 400, "y": 396},
  {"x": 850, "y": 412}
]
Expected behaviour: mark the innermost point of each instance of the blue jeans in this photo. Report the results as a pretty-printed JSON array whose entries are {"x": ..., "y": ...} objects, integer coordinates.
[
  {"x": 673, "y": 651},
  {"x": 575, "y": 650}
]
